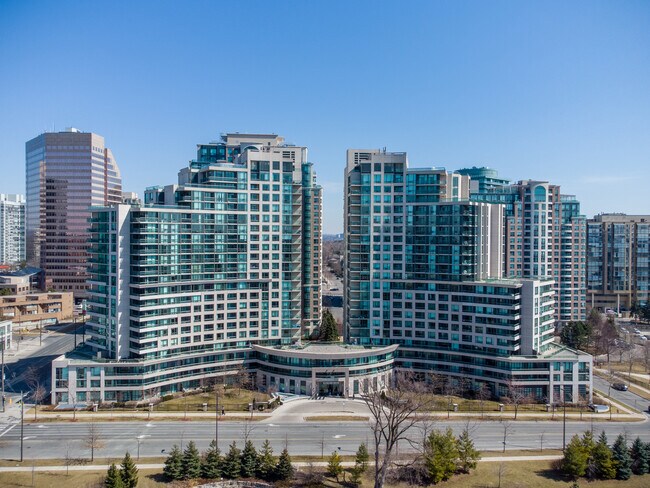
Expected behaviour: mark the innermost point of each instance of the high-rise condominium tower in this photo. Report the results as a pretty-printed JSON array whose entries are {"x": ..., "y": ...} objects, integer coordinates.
[
  {"x": 12, "y": 229},
  {"x": 67, "y": 173},
  {"x": 184, "y": 286},
  {"x": 618, "y": 261},
  {"x": 545, "y": 236},
  {"x": 424, "y": 267}
]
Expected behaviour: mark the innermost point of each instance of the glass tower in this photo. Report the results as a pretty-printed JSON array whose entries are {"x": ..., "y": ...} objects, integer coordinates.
[
  {"x": 12, "y": 229},
  {"x": 66, "y": 173},
  {"x": 544, "y": 236},
  {"x": 183, "y": 286},
  {"x": 424, "y": 269},
  {"x": 618, "y": 261}
]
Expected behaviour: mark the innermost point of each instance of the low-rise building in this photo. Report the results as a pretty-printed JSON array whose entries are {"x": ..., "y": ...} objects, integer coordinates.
[
  {"x": 323, "y": 368},
  {"x": 37, "y": 308}
]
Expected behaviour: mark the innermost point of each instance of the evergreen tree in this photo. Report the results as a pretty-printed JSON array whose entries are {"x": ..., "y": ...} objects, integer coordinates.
[
  {"x": 334, "y": 466},
  {"x": 266, "y": 464},
  {"x": 328, "y": 329},
  {"x": 174, "y": 464},
  {"x": 232, "y": 463},
  {"x": 284, "y": 469},
  {"x": 249, "y": 460},
  {"x": 441, "y": 455},
  {"x": 113, "y": 478},
  {"x": 468, "y": 456},
  {"x": 588, "y": 445},
  {"x": 129, "y": 472},
  {"x": 362, "y": 457},
  {"x": 602, "y": 465},
  {"x": 622, "y": 459},
  {"x": 588, "y": 441},
  {"x": 639, "y": 453},
  {"x": 191, "y": 462},
  {"x": 211, "y": 466},
  {"x": 355, "y": 474},
  {"x": 577, "y": 335},
  {"x": 575, "y": 458}
]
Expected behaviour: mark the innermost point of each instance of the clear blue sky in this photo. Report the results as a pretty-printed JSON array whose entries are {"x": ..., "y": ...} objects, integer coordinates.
[{"x": 558, "y": 91}]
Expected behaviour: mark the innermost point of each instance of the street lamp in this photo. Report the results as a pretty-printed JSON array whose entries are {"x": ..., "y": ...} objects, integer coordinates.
[{"x": 216, "y": 414}]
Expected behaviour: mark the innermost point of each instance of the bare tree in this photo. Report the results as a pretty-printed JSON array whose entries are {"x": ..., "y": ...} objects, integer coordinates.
[
  {"x": 516, "y": 396},
  {"x": 646, "y": 355},
  {"x": 393, "y": 413},
  {"x": 501, "y": 472},
  {"x": 247, "y": 429},
  {"x": 67, "y": 459},
  {"x": 243, "y": 379},
  {"x": 607, "y": 338},
  {"x": 483, "y": 394},
  {"x": 93, "y": 440},
  {"x": 583, "y": 401},
  {"x": 507, "y": 430},
  {"x": 38, "y": 391}
]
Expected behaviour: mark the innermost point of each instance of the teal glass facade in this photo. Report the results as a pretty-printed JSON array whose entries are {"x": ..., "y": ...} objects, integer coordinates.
[{"x": 227, "y": 258}]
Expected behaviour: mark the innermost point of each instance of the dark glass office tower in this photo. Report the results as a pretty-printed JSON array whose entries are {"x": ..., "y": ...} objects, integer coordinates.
[{"x": 66, "y": 173}]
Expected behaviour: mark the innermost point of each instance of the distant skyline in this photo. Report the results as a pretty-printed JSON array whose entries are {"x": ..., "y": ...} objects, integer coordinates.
[{"x": 554, "y": 91}]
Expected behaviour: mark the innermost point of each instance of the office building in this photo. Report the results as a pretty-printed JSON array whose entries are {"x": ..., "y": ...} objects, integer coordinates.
[
  {"x": 183, "y": 287},
  {"x": 618, "y": 261},
  {"x": 425, "y": 267},
  {"x": 12, "y": 229},
  {"x": 544, "y": 237},
  {"x": 67, "y": 173},
  {"x": 37, "y": 309}
]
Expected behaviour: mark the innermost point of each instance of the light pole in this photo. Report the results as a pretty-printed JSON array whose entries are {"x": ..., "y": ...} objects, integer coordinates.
[
  {"x": 22, "y": 424},
  {"x": 3, "y": 373},
  {"x": 216, "y": 416}
]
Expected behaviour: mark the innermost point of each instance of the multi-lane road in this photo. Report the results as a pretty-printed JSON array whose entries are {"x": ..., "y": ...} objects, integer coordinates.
[
  {"x": 55, "y": 440},
  {"x": 55, "y": 342}
]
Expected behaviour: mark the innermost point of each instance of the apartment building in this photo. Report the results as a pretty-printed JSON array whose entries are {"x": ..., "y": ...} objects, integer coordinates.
[
  {"x": 618, "y": 261},
  {"x": 544, "y": 236},
  {"x": 12, "y": 229},
  {"x": 425, "y": 270},
  {"x": 183, "y": 286}
]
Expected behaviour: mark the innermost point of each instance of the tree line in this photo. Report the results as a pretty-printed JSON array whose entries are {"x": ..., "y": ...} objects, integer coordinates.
[
  {"x": 247, "y": 463},
  {"x": 595, "y": 459}
]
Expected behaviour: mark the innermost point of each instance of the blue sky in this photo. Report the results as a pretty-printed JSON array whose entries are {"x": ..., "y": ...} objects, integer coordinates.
[{"x": 557, "y": 91}]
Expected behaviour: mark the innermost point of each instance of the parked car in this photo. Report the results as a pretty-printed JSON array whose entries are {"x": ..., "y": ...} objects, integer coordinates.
[{"x": 619, "y": 386}]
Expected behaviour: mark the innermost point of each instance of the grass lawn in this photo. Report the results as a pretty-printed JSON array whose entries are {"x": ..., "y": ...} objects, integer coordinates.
[
  {"x": 537, "y": 474},
  {"x": 234, "y": 399},
  {"x": 148, "y": 479}
]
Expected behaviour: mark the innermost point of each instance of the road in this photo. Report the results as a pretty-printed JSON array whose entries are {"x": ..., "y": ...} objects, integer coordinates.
[
  {"x": 625, "y": 397},
  {"x": 53, "y": 440},
  {"x": 54, "y": 343}
]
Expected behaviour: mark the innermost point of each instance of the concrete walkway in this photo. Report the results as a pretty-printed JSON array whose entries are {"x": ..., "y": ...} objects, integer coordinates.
[{"x": 104, "y": 467}]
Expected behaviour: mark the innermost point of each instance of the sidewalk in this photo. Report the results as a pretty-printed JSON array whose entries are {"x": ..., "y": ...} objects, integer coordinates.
[{"x": 104, "y": 467}]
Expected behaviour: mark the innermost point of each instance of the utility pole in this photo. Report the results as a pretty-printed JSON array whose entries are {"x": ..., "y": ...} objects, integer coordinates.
[
  {"x": 3, "y": 373},
  {"x": 22, "y": 424},
  {"x": 216, "y": 415}
]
